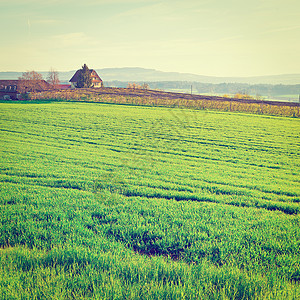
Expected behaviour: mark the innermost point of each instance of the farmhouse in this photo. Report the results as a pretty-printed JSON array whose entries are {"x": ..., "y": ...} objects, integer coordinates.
[
  {"x": 96, "y": 80},
  {"x": 12, "y": 89}
]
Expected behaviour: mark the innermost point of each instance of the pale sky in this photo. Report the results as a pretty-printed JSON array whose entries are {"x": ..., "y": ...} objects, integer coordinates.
[{"x": 205, "y": 37}]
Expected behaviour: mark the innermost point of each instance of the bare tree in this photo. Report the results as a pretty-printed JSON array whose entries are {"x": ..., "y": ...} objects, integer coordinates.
[
  {"x": 53, "y": 78},
  {"x": 145, "y": 86},
  {"x": 31, "y": 81}
]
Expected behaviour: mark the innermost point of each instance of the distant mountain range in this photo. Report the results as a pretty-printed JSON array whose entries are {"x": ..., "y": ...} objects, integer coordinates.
[{"x": 145, "y": 75}]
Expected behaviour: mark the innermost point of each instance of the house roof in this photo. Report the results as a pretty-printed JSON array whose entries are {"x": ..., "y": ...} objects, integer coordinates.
[
  {"x": 64, "y": 86},
  {"x": 41, "y": 85},
  {"x": 95, "y": 76},
  {"x": 8, "y": 82},
  {"x": 75, "y": 76}
]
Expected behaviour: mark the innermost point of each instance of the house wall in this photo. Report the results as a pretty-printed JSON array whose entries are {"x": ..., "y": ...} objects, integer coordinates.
[
  {"x": 9, "y": 95},
  {"x": 97, "y": 84},
  {"x": 8, "y": 90}
]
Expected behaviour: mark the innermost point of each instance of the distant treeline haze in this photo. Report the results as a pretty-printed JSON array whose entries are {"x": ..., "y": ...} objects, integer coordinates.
[{"x": 221, "y": 88}]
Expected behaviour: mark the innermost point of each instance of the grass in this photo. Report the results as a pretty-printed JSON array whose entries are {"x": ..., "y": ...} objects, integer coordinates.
[{"x": 122, "y": 202}]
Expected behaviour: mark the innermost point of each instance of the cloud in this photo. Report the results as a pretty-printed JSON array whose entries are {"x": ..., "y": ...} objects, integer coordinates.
[
  {"x": 112, "y": 2},
  {"x": 281, "y": 29},
  {"x": 159, "y": 9},
  {"x": 72, "y": 2},
  {"x": 45, "y": 21},
  {"x": 70, "y": 39}
]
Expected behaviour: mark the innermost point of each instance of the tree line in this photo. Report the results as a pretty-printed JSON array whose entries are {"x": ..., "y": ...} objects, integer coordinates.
[{"x": 255, "y": 90}]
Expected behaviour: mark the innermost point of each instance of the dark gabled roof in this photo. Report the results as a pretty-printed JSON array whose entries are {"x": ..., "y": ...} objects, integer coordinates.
[{"x": 76, "y": 75}]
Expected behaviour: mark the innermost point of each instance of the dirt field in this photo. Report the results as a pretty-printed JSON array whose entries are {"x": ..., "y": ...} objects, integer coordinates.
[{"x": 170, "y": 95}]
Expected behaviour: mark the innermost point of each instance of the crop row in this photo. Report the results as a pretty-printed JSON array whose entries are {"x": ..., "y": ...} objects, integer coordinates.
[
  {"x": 245, "y": 238},
  {"x": 119, "y": 202}
]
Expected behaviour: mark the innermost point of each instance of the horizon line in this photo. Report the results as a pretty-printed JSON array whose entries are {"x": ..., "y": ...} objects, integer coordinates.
[{"x": 174, "y": 72}]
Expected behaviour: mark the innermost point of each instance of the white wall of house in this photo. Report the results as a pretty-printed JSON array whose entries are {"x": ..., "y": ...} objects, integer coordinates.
[{"x": 97, "y": 84}]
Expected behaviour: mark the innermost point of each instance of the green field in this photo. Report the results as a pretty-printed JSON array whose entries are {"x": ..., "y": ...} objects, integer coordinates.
[{"x": 104, "y": 201}]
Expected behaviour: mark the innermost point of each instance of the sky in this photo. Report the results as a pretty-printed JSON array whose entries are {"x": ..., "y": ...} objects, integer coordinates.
[{"x": 205, "y": 37}]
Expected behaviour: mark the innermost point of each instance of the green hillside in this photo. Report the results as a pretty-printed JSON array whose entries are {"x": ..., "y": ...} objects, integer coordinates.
[{"x": 104, "y": 201}]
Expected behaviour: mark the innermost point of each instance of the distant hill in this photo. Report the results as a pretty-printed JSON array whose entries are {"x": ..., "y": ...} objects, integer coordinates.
[
  {"x": 63, "y": 76},
  {"x": 141, "y": 74}
]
